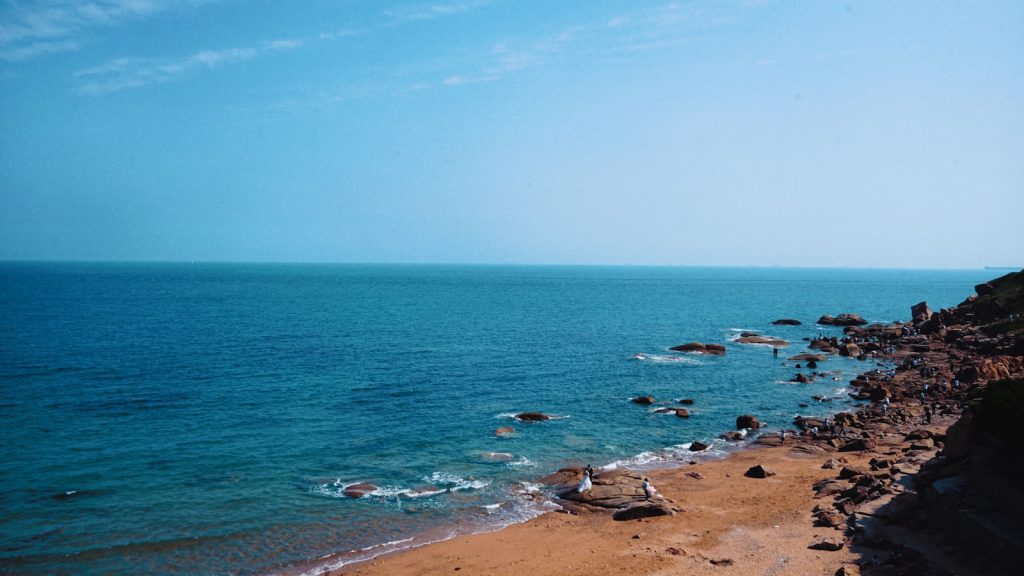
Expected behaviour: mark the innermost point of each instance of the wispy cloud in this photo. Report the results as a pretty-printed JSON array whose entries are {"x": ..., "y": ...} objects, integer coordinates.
[
  {"x": 125, "y": 73},
  {"x": 34, "y": 28},
  {"x": 436, "y": 10}
]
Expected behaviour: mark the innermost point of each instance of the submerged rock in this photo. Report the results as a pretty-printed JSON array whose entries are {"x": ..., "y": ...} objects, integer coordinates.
[
  {"x": 358, "y": 490},
  {"x": 787, "y": 322},
  {"x": 532, "y": 417},
  {"x": 505, "y": 431}
]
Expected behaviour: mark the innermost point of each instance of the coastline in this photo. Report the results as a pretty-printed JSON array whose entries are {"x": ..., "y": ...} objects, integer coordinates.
[{"x": 802, "y": 518}]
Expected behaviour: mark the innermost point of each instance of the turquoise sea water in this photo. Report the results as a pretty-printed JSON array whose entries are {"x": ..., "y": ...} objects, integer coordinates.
[{"x": 204, "y": 418}]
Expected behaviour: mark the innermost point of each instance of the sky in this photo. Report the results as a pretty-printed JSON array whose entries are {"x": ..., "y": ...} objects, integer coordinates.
[{"x": 732, "y": 133}]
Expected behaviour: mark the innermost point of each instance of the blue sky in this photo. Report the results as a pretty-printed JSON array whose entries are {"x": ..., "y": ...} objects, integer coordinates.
[{"x": 883, "y": 134}]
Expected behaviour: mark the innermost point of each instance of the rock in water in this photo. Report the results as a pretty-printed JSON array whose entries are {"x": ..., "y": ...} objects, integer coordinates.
[
  {"x": 682, "y": 412},
  {"x": 532, "y": 417},
  {"x": 696, "y": 446},
  {"x": 505, "y": 431},
  {"x": 747, "y": 421},
  {"x": 787, "y": 322},
  {"x": 686, "y": 401},
  {"x": 643, "y": 400},
  {"x": 358, "y": 490}
]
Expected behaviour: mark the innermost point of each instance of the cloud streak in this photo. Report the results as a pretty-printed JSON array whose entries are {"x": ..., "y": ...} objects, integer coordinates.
[
  {"x": 32, "y": 29},
  {"x": 126, "y": 73}
]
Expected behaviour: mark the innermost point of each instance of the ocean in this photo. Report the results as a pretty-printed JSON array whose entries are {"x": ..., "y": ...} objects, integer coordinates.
[{"x": 205, "y": 418}]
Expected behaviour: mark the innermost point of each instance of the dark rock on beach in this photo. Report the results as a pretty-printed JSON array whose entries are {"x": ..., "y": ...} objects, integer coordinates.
[{"x": 758, "y": 471}]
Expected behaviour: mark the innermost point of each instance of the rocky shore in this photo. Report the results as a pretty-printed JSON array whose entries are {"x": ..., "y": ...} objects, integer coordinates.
[{"x": 924, "y": 478}]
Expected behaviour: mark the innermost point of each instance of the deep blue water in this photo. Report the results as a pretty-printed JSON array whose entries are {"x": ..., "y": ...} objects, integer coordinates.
[{"x": 203, "y": 418}]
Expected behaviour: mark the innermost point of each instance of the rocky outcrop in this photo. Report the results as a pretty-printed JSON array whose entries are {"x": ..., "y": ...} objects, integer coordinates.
[
  {"x": 849, "y": 349},
  {"x": 619, "y": 491},
  {"x": 700, "y": 348},
  {"x": 787, "y": 322},
  {"x": 808, "y": 358}
]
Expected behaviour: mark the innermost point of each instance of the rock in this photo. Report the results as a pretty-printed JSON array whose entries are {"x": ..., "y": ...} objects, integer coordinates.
[
  {"x": 849, "y": 349},
  {"x": 828, "y": 544},
  {"x": 747, "y": 421},
  {"x": 857, "y": 445},
  {"x": 787, "y": 322},
  {"x": 696, "y": 446},
  {"x": 682, "y": 413},
  {"x": 849, "y": 472},
  {"x": 758, "y": 471},
  {"x": 830, "y": 464},
  {"x": 829, "y": 519},
  {"x": 700, "y": 348},
  {"x": 879, "y": 393},
  {"x": 849, "y": 320},
  {"x": 695, "y": 475},
  {"x": 644, "y": 509},
  {"x": 920, "y": 312},
  {"x": 532, "y": 417},
  {"x": 826, "y": 320},
  {"x": 918, "y": 434},
  {"x": 716, "y": 349},
  {"x": 686, "y": 401},
  {"x": 808, "y": 358},
  {"x": 801, "y": 378},
  {"x": 923, "y": 444},
  {"x": 721, "y": 562},
  {"x": 358, "y": 490},
  {"x": 775, "y": 342},
  {"x": 985, "y": 289},
  {"x": 498, "y": 456},
  {"x": 505, "y": 431},
  {"x": 732, "y": 436},
  {"x": 643, "y": 400}
]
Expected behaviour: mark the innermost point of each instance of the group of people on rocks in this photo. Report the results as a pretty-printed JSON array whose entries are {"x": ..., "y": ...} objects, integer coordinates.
[{"x": 587, "y": 483}]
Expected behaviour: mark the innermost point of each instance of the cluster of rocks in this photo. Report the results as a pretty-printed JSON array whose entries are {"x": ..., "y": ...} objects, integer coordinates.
[
  {"x": 619, "y": 492},
  {"x": 700, "y": 348}
]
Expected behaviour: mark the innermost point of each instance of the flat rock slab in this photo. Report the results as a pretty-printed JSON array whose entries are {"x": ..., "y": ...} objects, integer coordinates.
[{"x": 827, "y": 544}]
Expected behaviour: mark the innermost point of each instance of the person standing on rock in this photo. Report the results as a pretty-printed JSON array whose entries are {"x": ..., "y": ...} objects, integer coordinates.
[
  {"x": 587, "y": 482},
  {"x": 649, "y": 490}
]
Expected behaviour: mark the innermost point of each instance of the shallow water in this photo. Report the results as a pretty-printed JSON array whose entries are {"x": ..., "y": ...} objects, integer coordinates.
[{"x": 181, "y": 418}]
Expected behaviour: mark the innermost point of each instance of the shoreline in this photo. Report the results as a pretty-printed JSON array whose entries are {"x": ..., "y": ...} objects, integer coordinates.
[{"x": 730, "y": 523}]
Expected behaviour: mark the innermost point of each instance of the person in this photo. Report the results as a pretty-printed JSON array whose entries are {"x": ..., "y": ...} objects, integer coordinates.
[
  {"x": 587, "y": 482},
  {"x": 885, "y": 405},
  {"x": 649, "y": 491},
  {"x": 775, "y": 352}
]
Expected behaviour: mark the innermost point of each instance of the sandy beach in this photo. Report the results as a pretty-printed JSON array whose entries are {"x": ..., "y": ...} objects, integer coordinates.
[{"x": 729, "y": 524}]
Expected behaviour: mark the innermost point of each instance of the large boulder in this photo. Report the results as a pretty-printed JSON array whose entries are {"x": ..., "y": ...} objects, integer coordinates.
[
  {"x": 920, "y": 312},
  {"x": 643, "y": 400},
  {"x": 747, "y": 421},
  {"x": 787, "y": 322},
  {"x": 532, "y": 417},
  {"x": 696, "y": 446}
]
